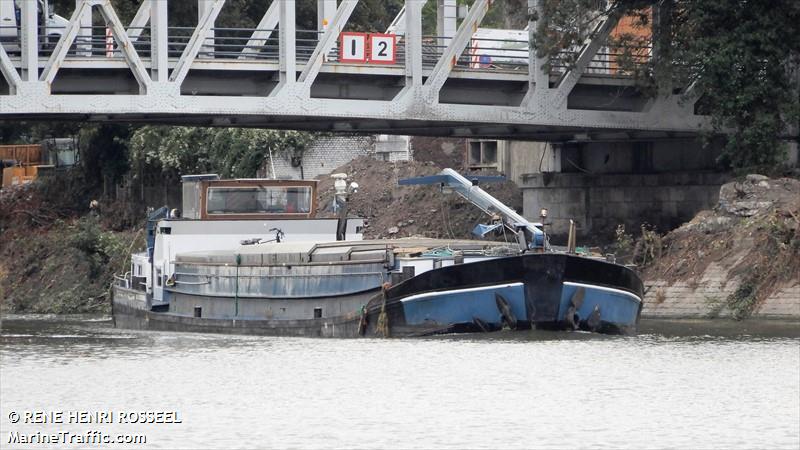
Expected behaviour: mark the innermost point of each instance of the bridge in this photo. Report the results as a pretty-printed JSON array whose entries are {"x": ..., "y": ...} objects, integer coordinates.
[{"x": 458, "y": 83}]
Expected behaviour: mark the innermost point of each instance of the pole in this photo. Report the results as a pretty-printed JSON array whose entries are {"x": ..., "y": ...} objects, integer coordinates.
[
  {"x": 271, "y": 162},
  {"x": 236, "y": 287}
]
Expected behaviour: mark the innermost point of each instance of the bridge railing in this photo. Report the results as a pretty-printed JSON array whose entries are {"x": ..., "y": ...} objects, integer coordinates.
[
  {"x": 615, "y": 61},
  {"x": 481, "y": 54}
]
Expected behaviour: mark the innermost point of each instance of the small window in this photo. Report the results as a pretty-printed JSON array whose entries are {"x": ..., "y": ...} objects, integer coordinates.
[
  {"x": 158, "y": 277},
  {"x": 317, "y": 313},
  {"x": 474, "y": 152},
  {"x": 482, "y": 154},
  {"x": 489, "y": 155}
]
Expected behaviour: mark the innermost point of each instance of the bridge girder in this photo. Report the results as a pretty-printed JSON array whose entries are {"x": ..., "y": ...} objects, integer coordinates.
[{"x": 447, "y": 99}]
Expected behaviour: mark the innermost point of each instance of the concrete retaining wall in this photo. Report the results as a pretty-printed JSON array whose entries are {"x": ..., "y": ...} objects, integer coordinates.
[
  {"x": 601, "y": 202},
  {"x": 706, "y": 298}
]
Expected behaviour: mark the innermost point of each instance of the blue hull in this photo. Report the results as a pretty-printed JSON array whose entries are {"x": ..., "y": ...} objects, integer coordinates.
[
  {"x": 531, "y": 291},
  {"x": 618, "y": 309}
]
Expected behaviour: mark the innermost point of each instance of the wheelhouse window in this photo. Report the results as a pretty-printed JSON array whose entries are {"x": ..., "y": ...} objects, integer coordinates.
[{"x": 258, "y": 200}]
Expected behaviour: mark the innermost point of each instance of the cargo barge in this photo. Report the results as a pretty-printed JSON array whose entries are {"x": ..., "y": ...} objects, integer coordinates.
[{"x": 249, "y": 257}]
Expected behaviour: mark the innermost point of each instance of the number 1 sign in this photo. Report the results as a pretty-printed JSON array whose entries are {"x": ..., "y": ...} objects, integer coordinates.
[
  {"x": 353, "y": 47},
  {"x": 382, "y": 48}
]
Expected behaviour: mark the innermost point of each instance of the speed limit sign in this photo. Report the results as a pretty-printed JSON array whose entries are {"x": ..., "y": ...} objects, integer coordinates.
[
  {"x": 353, "y": 47},
  {"x": 382, "y": 48}
]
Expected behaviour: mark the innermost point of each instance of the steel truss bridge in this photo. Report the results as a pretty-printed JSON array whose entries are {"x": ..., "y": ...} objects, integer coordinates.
[{"x": 276, "y": 76}]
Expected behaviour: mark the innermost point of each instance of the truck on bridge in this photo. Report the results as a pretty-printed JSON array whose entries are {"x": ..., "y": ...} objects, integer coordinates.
[{"x": 51, "y": 25}]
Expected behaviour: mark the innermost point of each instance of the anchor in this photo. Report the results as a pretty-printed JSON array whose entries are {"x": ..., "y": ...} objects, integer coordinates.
[
  {"x": 571, "y": 318},
  {"x": 593, "y": 322},
  {"x": 505, "y": 311}
]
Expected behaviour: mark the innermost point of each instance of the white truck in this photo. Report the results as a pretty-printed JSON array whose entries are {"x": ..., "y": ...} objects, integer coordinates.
[{"x": 51, "y": 26}]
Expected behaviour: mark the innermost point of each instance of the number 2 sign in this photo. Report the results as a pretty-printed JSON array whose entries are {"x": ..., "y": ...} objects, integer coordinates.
[
  {"x": 382, "y": 48},
  {"x": 375, "y": 48}
]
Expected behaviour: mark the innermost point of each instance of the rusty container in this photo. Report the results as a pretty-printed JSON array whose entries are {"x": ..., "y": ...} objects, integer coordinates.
[{"x": 25, "y": 155}]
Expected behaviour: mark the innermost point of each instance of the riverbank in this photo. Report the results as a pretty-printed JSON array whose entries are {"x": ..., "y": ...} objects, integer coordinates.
[
  {"x": 55, "y": 261},
  {"x": 739, "y": 260}
]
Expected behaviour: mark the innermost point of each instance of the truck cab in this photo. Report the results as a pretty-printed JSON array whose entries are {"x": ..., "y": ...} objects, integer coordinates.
[{"x": 51, "y": 25}]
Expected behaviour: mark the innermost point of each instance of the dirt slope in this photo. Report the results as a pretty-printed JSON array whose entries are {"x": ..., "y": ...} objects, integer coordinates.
[
  {"x": 54, "y": 262},
  {"x": 400, "y": 211},
  {"x": 752, "y": 236}
]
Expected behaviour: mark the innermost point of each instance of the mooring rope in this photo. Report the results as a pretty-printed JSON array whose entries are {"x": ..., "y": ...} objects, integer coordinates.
[{"x": 382, "y": 326}]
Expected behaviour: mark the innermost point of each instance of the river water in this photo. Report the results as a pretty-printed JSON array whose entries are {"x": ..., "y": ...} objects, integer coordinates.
[{"x": 675, "y": 385}]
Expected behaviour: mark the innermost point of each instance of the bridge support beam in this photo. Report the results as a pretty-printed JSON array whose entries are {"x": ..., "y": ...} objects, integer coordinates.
[
  {"x": 159, "y": 70},
  {"x": 84, "y": 37},
  {"x": 413, "y": 42},
  {"x": 140, "y": 19},
  {"x": 590, "y": 48},
  {"x": 450, "y": 56},
  {"x": 287, "y": 46},
  {"x": 263, "y": 31},
  {"x": 29, "y": 41},
  {"x": 203, "y": 7},
  {"x": 539, "y": 78},
  {"x": 60, "y": 52},
  {"x": 446, "y": 20},
  {"x": 540, "y": 95},
  {"x": 117, "y": 30},
  {"x": 325, "y": 45},
  {"x": 198, "y": 38},
  {"x": 9, "y": 72}
]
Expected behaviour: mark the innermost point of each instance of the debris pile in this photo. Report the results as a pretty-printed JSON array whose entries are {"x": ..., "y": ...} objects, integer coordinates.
[{"x": 402, "y": 211}]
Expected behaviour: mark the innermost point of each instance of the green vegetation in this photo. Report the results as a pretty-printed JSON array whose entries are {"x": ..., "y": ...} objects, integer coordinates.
[
  {"x": 742, "y": 56},
  {"x": 108, "y": 152},
  {"x": 641, "y": 251},
  {"x": 64, "y": 267},
  {"x": 231, "y": 152},
  {"x": 648, "y": 247},
  {"x": 623, "y": 243},
  {"x": 745, "y": 298}
]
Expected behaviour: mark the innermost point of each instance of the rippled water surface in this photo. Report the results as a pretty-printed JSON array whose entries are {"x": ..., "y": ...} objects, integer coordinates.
[{"x": 695, "y": 385}]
